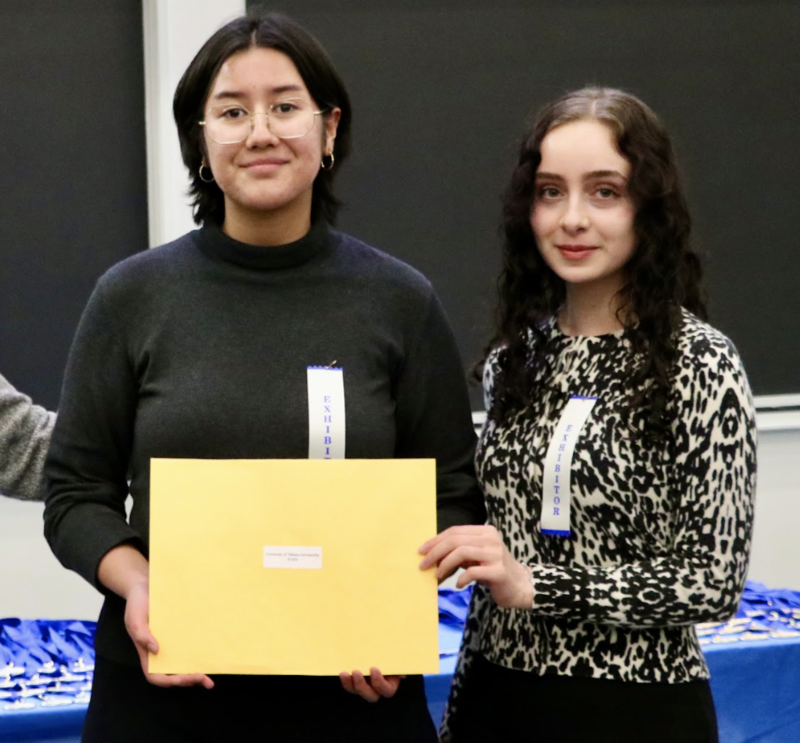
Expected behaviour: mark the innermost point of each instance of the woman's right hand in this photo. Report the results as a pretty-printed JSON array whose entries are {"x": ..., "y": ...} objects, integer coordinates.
[
  {"x": 137, "y": 622},
  {"x": 480, "y": 550},
  {"x": 125, "y": 571}
]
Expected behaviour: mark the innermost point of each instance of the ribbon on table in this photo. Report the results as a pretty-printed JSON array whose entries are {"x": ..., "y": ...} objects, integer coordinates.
[{"x": 45, "y": 662}]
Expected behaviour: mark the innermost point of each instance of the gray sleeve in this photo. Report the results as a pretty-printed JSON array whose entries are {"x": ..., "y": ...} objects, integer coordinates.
[{"x": 25, "y": 431}]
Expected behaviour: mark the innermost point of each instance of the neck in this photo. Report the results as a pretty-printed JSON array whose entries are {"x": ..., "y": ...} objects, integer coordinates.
[
  {"x": 268, "y": 228},
  {"x": 589, "y": 310}
]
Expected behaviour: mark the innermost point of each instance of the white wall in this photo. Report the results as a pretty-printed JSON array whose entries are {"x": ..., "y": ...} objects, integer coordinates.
[
  {"x": 174, "y": 30},
  {"x": 33, "y": 585},
  {"x": 774, "y": 559}
]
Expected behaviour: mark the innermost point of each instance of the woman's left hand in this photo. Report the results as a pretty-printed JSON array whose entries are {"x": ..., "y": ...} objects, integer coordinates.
[
  {"x": 485, "y": 558},
  {"x": 371, "y": 687}
]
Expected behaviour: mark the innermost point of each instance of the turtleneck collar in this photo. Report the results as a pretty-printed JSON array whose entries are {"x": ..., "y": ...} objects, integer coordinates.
[{"x": 219, "y": 246}]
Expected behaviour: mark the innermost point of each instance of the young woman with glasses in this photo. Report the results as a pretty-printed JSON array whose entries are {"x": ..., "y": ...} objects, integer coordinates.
[
  {"x": 619, "y": 455},
  {"x": 200, "y": 349}
]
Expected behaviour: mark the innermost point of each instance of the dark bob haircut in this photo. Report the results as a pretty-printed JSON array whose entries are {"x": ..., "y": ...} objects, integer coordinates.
[
  {"x": 662, "y": 276},
  {"x": 268, "y": 31}
]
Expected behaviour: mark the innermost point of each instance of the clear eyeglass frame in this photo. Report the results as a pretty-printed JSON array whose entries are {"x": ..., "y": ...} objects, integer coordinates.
[{"x": 252, "y": 118}]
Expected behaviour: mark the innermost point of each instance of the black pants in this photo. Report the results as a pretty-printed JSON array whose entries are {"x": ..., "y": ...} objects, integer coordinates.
[
  {"x": 499, "y": 704},
  {"x": 125, "y": 708}
]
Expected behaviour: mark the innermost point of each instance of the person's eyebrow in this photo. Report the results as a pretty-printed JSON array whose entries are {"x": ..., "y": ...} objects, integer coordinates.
[
  {"x": 593, "y": 175},
  {"x": 238, "y": 95},
  {"x": 604, "y": 174}
]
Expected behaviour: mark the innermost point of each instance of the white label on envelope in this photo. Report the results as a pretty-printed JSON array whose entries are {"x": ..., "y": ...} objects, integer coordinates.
[{"x": 293, "y": 557}]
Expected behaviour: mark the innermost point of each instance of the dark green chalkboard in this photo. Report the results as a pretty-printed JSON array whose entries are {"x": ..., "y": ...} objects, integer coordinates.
[
  {"x": 442, "y": 90},
  {"x": 72, "y": 168}
]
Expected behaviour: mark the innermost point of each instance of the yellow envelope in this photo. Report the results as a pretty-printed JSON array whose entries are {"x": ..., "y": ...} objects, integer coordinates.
[{"x": 342, "y": 590}]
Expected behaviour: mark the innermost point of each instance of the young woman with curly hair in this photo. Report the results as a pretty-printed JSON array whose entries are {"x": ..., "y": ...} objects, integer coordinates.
[{"x": 618, "y": 460}]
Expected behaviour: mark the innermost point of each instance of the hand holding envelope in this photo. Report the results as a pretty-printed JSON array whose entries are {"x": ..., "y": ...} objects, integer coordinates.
[
  {"x": 373, "y": 687},
  {"x": 137, "y": 624},
  {"x": 271, "y": 566}
]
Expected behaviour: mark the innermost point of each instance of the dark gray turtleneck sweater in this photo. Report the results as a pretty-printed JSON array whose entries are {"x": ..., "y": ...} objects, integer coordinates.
[{"x": 199, "y": 349}]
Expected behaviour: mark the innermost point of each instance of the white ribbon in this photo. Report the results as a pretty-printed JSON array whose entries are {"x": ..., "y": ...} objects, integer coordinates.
[
  {"x": 557, "y": 478},
  {"x": 326, "y": 420}
]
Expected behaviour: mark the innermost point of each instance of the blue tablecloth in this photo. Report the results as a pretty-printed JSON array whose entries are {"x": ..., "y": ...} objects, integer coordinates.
[{"x": 754, "y": 661}]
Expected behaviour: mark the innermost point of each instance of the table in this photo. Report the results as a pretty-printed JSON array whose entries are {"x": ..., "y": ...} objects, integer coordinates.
[
  {"x": 754, "y": 662},
  {"x": 43, "y": 724}
]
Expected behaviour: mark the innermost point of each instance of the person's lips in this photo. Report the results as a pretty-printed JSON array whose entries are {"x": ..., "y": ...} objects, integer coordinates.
[
  {"x": 264, "y": 164},
  {"x": 576, "y": 252}
]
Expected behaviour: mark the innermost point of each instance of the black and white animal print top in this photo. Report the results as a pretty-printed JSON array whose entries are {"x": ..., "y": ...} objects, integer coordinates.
[{"x": 660, "y": 534}]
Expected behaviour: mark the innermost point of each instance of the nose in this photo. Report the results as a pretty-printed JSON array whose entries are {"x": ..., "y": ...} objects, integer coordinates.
[
  {"x": 260, "y": 133},
  {"x": 575, "y": 216}
]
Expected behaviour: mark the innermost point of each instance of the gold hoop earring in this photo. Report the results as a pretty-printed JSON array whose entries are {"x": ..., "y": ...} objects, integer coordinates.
[
  {"x": 329, "y": 166},
  {"x": 204, "y": 164}
]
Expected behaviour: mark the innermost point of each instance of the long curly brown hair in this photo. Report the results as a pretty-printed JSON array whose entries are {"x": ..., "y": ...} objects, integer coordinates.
[{"x": 663, "y": 274}]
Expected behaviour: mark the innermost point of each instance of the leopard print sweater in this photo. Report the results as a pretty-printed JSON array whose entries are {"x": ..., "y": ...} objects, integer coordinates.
[{"x": 660, "y": 534}]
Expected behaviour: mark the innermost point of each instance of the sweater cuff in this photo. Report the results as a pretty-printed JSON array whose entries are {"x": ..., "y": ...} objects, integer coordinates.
[{"x": 98, "y": 531}]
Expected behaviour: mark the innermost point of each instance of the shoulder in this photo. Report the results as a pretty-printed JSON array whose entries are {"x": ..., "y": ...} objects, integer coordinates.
[
  {"x": 148, "y": 271},
  {"x": 141, "y": 283},
  {"x": 369, "y": 262},
  {"x": 545, "y": 336},
  {"x": 151, "y": 262},
  {"x": 702, "y": 347},
  {"x": 710, "y": 371}
]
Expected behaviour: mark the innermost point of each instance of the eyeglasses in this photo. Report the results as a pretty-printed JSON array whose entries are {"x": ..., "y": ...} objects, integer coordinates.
[{"x": 231, "y": 123}]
